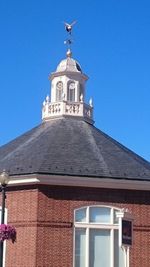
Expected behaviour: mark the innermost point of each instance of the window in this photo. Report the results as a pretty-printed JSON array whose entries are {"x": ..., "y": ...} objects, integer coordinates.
[
  {"x": 71, "y": 92},
  {"x": 59, "y": 91},
  {"x": 81, "y": 92},
  {"x": 96, "y": 237}
]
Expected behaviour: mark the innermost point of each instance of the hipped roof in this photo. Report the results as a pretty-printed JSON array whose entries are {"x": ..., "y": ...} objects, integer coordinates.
[{"x": 71, "y": 147}]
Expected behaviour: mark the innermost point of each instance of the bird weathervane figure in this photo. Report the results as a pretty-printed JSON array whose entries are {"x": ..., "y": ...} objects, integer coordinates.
[
  {"x": 68, "y": 27},
  {"x": 69, "y": 41}
]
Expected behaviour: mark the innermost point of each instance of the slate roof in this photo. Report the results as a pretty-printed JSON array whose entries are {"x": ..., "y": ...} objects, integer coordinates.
[{"x": 69, "y": 146}]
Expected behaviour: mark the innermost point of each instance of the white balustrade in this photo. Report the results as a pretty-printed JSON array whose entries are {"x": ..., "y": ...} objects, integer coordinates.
[{"x": 55, "y": 109}]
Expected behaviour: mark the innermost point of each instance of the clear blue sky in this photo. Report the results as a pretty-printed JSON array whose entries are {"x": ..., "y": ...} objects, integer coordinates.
[{"x": 112, "y": 44}]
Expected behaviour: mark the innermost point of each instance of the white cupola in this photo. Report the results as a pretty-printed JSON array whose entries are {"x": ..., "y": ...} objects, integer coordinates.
[
  {"x": 67, "y": 90},
  {"x": 68, "y": 82}
]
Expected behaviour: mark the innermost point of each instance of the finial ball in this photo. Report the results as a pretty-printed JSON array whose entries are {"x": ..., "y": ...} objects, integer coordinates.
[{"x": 69, "y": 53}]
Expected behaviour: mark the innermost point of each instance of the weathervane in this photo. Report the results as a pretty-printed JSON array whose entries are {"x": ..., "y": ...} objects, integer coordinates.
[{"x": 69, "y": 40}]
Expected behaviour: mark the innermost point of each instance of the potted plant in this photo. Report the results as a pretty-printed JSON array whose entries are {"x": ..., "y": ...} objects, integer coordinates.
[{"x": 7, "y": 232}]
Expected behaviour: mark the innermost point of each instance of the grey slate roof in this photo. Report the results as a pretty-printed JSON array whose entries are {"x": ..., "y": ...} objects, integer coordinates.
[{"x": 69, "y": 146}]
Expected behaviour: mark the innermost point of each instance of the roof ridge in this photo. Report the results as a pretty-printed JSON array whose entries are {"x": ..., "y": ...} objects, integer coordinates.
[
  {"x": 17, "y": 148},
  {"x": 99, "y": 154}
]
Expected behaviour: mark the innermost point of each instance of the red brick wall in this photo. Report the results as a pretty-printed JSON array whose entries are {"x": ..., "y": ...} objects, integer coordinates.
[
  {"x": 22, "y": 207},
  {"x": 44, "y": 221}
]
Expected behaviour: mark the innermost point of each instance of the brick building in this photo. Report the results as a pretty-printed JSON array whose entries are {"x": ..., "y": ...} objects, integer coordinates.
[{"x": 69, "y": 180}]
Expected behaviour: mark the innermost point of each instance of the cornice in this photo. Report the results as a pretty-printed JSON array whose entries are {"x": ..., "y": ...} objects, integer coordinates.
[{"x": 113, "y": 183}]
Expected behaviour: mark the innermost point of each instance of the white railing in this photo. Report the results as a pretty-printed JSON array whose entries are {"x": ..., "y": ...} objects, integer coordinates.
[{"x": 56, "y": 109}]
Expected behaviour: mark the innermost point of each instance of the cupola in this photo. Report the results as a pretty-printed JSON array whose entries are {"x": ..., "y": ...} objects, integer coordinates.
[{"x": 67, "y": 96}]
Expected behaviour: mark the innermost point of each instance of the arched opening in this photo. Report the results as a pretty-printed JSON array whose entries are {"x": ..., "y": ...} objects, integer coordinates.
[
  {"x": 59, "y": 91},
  {"x": 71, "y": 91}
]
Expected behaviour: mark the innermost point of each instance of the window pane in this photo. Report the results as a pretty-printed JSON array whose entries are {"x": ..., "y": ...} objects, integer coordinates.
[
  {"x": 99, "y": 255},
  {"x": 80, "y": 248},
  {"x": 59, "y": 91},
  {"x": 118, "y": 252},
  {"x": 80, "y": 215},
  {"x": 101, "y": 215},
  {"x": 72, "y": 95},
  {"x": 71, "y": 92},
  {"x": 116, "y": 220},
  {"x": 58, "y": 94}
]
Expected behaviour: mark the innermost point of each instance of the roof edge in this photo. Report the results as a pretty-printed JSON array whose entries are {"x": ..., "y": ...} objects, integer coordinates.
[{"x": 75, "y": 181}]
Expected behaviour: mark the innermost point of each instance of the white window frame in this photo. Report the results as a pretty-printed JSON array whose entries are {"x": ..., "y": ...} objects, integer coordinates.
[
  {"x": 71, "y": 91},
  {"x": 59, "y": 91},
  {"x": 90, "y": 225}
]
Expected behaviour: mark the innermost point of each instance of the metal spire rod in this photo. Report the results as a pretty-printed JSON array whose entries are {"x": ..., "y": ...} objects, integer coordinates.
[{"x": 69, "y": 40}]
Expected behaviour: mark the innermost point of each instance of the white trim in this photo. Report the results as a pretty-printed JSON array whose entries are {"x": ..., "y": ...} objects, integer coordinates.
[
  {"x": 87, "y": 246},
  {"x": 73, "y": 258},
  {"x": 112, "y": 247},
  {"x": 25, "y": 180},
  {"x": 96, "y": 226},
  {"x": 80, "y": 181},
  {"x": 68, "y": 73},
  {"x": 126, "y": 256}
]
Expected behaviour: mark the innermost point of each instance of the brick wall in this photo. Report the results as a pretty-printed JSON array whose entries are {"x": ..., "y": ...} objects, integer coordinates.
[
  {"x": 22, "y": 207},
  {"x": 43, "y": 217}
]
